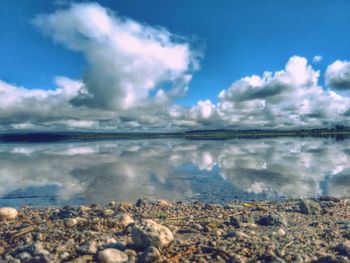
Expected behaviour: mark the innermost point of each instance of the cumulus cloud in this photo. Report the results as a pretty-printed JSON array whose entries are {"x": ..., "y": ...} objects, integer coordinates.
[
  {"x": 127, "y": 60},
  {"x": 290, "y": 97},
  {"x": 338, "y": 75},
  {"x": 36, "y": 109}
]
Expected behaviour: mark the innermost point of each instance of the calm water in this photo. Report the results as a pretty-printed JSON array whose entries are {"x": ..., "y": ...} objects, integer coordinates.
[{"x": 214, "y": 171}]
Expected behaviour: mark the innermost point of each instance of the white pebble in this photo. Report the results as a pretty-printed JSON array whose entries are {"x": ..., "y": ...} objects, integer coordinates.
[{"x": 8, "y": 213}]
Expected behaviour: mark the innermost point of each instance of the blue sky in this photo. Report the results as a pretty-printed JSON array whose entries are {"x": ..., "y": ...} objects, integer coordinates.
[
  {"x": 240, "y": 38},
  {"x": 236, "y": 38}
]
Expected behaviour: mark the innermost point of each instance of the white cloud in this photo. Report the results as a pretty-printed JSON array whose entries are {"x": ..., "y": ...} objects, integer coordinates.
[
  {"x": 127, "y": 59},
  {"x": 291, "y": 97},
  {"x": 317, "y": 59},
  {"x": 338, "y": 75}
]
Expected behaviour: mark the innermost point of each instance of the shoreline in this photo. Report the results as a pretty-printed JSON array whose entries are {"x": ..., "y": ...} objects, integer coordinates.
[{"x": 291, "y": 230}]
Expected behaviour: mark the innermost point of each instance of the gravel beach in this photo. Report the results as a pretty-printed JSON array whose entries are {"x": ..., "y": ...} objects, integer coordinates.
[{"x": 293, "y": 230}]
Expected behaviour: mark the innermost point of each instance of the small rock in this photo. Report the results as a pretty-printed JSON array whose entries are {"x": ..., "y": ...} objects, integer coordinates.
[
  {"x": 84, "y": 209},
  {"x": 125, "y": 220},
  {"x": 108, "y": 213},
  {"x": 149, "y": 233},
  {"x": 164, "y": 203},
  {"x": 71, "y": 222},
  {"x": 272, "y": 219},
  {"x": 281, "y": 232},
  {"x": 88, "y": 248},
  {"x": 8, "y": 213},
  {"x": 111, "y": 255},
  {"x": 218, "y": 232},
  {"x": 309, "y": 207},
  {"x": 151, "y": 254},
  {"x": 64, "y": 256},
  {"x": 197, "y": 227}
]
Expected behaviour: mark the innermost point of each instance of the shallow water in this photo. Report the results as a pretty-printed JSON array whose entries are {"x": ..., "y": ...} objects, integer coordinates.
[{"x": 209, "y": 171}]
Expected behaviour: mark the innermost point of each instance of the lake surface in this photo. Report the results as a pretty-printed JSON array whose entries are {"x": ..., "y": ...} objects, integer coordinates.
[{"x": 209, "y": 171}]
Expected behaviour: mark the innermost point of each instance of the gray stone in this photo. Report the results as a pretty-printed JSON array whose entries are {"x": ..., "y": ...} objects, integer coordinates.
[
  {"x": 309, "y": 207},
  {"x": 272, "y": 219},
  {"x": 149, "y": 233}
]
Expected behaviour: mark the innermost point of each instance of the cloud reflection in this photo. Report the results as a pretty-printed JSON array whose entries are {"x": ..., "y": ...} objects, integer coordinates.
[{"x": 177, "y": 169}]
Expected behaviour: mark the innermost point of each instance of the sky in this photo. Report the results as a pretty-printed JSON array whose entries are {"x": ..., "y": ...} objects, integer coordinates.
[{"x": 160, "y": 65}]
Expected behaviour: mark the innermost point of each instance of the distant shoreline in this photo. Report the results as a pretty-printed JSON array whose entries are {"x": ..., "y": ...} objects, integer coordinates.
[{"x": 338, "y": 132}]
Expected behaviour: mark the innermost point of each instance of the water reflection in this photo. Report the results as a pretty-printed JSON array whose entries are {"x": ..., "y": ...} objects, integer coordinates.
[{"x": 172, "y": 169}]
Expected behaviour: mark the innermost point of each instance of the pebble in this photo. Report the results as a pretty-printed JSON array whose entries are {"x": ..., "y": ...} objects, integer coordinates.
[
  {"x": 108, "y": 213},
  {"x": 89, "y": 248},
  {"x": 272, "y": 219},
  {"x": 197, "y": 227},
  {"x": 125, "y": 220},
  {"x": 8, "y": 213},
  {"x": 64, "y": 256},
  {"x": 164, "y": 203},
  {"x": 71, "y": 222},
  {"x": 151, "y": 254},
  {"x": 149, "y": 233},
  {"x": 111, "y": 255},
  {"x": 281, "y": 232},
  {"x": 309, "y": 207},
  {"x": 84, "y": 209}
]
